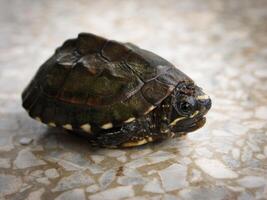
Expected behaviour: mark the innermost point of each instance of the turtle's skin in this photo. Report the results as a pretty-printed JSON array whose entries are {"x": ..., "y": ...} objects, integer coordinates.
[{"x": 116, "y": 93}]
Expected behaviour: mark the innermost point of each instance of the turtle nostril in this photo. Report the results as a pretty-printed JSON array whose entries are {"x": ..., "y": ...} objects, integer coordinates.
[{"x": 205, "y": 105}]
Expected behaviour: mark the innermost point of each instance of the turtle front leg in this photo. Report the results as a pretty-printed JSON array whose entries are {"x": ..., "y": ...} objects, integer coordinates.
[{"x": 130, "y": 135}]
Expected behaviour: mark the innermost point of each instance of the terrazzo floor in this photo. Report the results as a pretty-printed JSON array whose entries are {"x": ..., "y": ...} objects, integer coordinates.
[{"x": 222, "y": 45}]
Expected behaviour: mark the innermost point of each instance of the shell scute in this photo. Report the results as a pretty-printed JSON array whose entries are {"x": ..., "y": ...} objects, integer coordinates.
[
  {"x": 115, "y": 51},
  {"x": 88, "y": 43},
  {"x": 98, "y": 81}
]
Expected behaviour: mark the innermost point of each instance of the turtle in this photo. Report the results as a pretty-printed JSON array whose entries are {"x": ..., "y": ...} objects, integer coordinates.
[{"x": 117, "y": 94}]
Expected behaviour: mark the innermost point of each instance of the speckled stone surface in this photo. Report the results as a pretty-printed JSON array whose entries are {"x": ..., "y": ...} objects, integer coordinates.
[{"x": 222, "y": 45}]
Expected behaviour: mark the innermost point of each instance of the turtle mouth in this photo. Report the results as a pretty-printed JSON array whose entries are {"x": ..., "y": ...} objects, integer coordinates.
[
  {"x": 196, "y": 125},
  {"x": 189, "y": 125}
]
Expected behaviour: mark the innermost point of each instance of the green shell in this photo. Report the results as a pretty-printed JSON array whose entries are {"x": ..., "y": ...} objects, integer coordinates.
[{"x": 98, "y": 81}]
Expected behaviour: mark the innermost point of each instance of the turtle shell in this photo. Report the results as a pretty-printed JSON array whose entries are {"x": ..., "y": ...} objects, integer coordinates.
[{"x": 92, "y": 81}]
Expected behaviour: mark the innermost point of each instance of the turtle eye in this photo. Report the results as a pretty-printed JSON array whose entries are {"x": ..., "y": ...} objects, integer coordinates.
[{"x": 185, "y": 108}]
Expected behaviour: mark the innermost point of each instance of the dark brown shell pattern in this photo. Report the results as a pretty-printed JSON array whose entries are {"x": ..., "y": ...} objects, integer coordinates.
[{"x": 91, "y": 82}]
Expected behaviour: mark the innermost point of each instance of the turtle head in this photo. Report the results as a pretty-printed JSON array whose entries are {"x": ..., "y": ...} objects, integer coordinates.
[{"x": 189, "y": 106}]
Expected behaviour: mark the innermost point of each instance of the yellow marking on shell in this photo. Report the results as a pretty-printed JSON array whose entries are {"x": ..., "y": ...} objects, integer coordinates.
[
  {"x": 203, "y": 97},
  {"x": 172, "y": 135},
  {"x": 52, "y": 124},
  {"x": 134, "y": 143},
  {"x": 194, "y": 114},
  {"x": 86, "y": 127},
  {"x": 38, "y": 119},
  {"x": 67, "y": 126},
  {"x": 149, "y": 109},
  {"x": 129, "y": 120},
  {"x": 165, "y": 130},
  {"x": 174, "y": 122},
  {"x": 149, "y": 139},
  {"x": 107, "y": 125}
]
